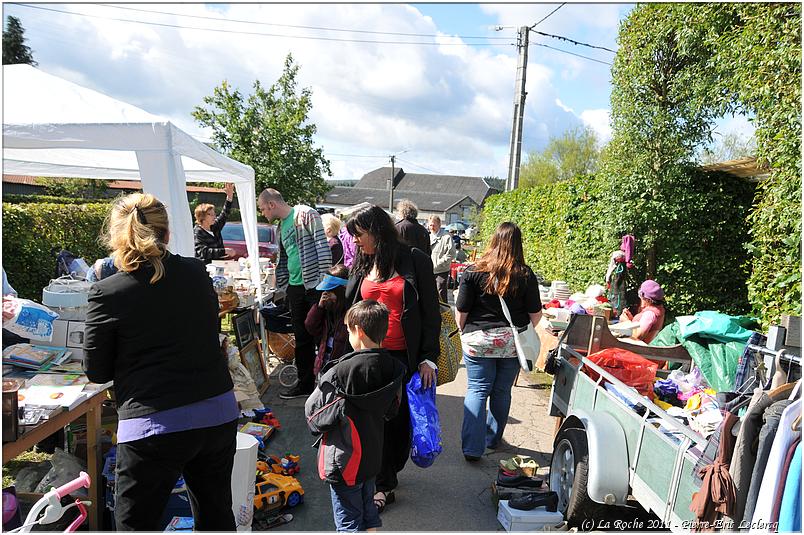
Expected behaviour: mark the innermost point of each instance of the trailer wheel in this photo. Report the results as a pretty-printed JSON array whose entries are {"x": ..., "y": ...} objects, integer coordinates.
[{"x": 569, "y": 470}]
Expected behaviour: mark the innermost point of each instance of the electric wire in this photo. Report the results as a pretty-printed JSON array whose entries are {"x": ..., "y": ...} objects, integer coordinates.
[
  {"x": 299, "y": 26},
  {"x": 221, "y": 30},
  {"x": 546, "y": 16},
  {"x": 405, "y": 160},
  {"x": 573, "y": 41},
  {"x": 571, "y": 53}
]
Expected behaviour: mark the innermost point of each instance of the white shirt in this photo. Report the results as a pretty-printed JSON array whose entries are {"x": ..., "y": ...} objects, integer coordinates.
[{"x": 770, "y": 480}]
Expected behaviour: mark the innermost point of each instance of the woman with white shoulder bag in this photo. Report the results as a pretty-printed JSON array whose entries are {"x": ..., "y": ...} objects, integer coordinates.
[{"x": 499, "y": 292}]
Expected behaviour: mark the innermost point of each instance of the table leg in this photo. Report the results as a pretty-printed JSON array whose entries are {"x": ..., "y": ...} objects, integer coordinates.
[{"x": 93, "y": 467}]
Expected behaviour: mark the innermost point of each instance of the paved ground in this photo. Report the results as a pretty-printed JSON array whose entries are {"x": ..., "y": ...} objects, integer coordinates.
[{"x": 451, "y": 495}]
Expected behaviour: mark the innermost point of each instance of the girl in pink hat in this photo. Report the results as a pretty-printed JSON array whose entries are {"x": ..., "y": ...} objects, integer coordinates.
[{"x": 651, "y": 312}]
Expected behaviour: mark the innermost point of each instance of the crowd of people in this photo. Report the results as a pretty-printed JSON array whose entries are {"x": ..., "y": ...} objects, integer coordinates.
[{"x": 364, "y": 301}]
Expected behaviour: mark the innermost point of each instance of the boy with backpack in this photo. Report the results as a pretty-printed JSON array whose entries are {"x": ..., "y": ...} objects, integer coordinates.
[{"x": 355, "y": 395}]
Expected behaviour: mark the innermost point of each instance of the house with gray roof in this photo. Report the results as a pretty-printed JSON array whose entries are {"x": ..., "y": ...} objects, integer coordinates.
[{"x": 450, "y": 197}]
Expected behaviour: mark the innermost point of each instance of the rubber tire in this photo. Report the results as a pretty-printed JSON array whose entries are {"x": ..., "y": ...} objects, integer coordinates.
[
  {"x": 580, "y": 506},
  {"x": 294, "y": 499},
  {"x": 289, "y": 375}
]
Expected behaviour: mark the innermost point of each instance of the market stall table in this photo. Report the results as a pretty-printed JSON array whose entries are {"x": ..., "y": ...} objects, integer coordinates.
[{"x": 92, "y": 408}]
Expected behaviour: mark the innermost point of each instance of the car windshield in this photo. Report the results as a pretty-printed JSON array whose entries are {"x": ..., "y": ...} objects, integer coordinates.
[{"x": 234, "y": 232}]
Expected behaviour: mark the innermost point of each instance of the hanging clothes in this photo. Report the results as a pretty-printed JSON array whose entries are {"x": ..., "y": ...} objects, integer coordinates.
[
  {"x": 616, "y": 276},
  {"x": 627, "y": 247},
  {"x": 781, "y": 442},
  {"x": 716, "y": 496},
  {"x": 790, "y": 513},
  {"x": 783, "y": 475}
]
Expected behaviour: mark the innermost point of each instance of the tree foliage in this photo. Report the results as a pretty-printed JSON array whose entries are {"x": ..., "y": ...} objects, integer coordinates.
[
  {"x": 574, "y": 153},
  {"x": 270, "y": 131},
  {"x": 678, "y": 68},
  {"x": 731, "y": 146},
  {"x": 74, "y": 187},
  {"x": 14, "y": 48}
]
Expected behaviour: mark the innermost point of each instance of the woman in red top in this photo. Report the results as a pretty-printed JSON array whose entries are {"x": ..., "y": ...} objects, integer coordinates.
[{"x": 402, "y": 279}]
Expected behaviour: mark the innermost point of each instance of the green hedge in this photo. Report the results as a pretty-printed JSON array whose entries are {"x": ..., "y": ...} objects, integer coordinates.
[
  {"x": 30, "y": 230},
  {"x": 27, "y": 199},
  {"x": 569, "y": 232}
]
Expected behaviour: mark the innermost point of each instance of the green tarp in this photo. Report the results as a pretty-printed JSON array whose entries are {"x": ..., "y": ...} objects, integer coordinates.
[{"x": 715, "y": 342}]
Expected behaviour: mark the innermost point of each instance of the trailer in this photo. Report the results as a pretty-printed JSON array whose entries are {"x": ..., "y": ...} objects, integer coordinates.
[{"x": 606, "y": 452}]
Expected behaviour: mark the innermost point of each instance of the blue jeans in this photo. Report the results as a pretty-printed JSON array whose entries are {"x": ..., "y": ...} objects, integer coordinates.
[
  {"x": 488, "y": 379},
  {"x": 353, "y": 507}
]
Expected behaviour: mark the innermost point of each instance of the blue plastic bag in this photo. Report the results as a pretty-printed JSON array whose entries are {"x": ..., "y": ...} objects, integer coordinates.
[{"x": 425, "y": 429}]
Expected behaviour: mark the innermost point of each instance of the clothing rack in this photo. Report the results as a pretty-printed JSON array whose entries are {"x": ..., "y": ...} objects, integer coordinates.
[{"x": 783, "y": 354}]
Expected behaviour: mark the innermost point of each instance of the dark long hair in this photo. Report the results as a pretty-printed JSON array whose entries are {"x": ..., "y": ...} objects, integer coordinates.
[
  {"x": 504, "y": 261},
  {"x": 379, "y": 224}
]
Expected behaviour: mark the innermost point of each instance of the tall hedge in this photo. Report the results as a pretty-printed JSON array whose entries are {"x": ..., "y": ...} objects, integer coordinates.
[
  {"x": 569, "y": 231},
  {"x": 563, "y": 228},
  {"x": 30, "y": 231}
]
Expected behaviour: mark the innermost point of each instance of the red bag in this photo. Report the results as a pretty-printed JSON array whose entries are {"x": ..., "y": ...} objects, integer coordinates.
[{"x": 628, "y": 367}]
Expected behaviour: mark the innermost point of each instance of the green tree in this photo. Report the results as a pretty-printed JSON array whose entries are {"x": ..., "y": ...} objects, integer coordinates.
[
  {"x": 730, "y": 146},
  {"x": 87, "y": 188},
  {"x": 574, "y": 153},
  {"x": 270, "y": 131},
  {"x": 14, "y": 48}
]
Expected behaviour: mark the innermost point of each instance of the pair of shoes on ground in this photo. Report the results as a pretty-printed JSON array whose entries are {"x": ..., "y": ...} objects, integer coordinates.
[
  {"x": 531, "y": 500},
  {"x": 521, "y": 464},
  {"x": 516, "y": 480},
  {"x": 381, "y": 499},
  {"x": 295, "y": 392}
]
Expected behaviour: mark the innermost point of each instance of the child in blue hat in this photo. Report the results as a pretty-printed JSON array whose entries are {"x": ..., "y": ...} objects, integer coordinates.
[{"x": 325, "y": 319}]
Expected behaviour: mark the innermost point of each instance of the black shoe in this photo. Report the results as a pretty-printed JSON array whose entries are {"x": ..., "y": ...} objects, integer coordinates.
[
  {"x": 295, "y": 392},
  {"x": 471, "y": 458},
  {"x": 528, "y": 501},
  {"x": 517, "y": 481}
]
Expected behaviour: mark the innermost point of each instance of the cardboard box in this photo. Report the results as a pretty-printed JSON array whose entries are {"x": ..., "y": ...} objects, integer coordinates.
[{"x": 537, "y": 519}]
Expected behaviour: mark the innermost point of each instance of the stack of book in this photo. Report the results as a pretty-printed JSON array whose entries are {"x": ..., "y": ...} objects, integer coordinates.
[{"x": 32, "y": 357}]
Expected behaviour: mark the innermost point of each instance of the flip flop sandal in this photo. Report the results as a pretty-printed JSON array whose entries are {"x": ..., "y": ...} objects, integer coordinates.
[{"x": 387, "y": 499}]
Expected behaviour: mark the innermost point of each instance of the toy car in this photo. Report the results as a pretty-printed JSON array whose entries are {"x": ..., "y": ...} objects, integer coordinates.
[{"x": 274, "y": 491}]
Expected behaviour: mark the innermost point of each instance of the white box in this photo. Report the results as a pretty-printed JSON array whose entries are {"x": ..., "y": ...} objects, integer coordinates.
[
  {"x": 75, "y": 334},
  {"x": 245, "y": 463},
  {"x": 537, "y": 519},
  {"x": 59, "y": 338}
]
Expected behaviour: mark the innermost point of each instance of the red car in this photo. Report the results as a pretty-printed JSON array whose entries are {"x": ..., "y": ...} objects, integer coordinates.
[{"x": 234, "y": 237}]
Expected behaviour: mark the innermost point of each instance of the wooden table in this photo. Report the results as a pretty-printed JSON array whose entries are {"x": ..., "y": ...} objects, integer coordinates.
[{"x": 92, "y": 408}]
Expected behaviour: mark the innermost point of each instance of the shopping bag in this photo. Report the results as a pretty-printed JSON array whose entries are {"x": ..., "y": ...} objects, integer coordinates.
[
  {"x": 425, "y": 428},
  {"x": 527, "y": 341},
  {"x": 449, "y": 358}
]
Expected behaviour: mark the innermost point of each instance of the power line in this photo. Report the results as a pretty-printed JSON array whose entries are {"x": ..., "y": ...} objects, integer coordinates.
[
  {"x": 300, "y": 26},
  {"x": 220, "y": 30},
  {"x": 420, "y": 166},
  {"x": 573, "y": 41},
  {"x": 355, "y": 155},
  {"x": 571, "y": 53},
  {"x": 545, "y": 17}
]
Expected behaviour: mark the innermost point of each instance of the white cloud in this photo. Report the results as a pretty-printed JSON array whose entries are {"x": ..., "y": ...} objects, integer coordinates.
[
  {"x": 598, "y": 120},
  {"x": 450, "y": 104}
]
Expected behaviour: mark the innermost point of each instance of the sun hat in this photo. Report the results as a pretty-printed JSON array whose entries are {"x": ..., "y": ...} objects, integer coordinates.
[
  {"x": 650, "y": 289},
  {"x": 330, "y": 282}
]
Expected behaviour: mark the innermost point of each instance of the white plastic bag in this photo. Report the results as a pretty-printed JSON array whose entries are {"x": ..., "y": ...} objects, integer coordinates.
[{"x": 31, "y": 320}]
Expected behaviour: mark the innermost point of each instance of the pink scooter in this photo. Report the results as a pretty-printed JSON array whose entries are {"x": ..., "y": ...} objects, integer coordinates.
[{"x": 50, "y": 503}]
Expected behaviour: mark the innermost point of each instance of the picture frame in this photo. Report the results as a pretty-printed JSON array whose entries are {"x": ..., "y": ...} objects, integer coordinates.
[
  {"x": 245, "y": 328},
  {"x": 252, "y": 359}
]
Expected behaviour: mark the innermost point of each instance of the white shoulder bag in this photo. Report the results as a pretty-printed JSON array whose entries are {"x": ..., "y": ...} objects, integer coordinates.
[{"x": 527, "y": 342}]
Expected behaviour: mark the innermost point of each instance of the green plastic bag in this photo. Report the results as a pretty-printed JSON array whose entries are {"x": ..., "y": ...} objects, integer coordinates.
[{"x": 720, "y": 327}]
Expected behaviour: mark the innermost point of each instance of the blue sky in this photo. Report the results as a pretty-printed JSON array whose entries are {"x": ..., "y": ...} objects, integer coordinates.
[{"x": 447, "y": 103}]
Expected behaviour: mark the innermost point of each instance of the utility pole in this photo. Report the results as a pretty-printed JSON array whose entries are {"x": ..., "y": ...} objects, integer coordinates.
[
  {"x": 515, "y": 153},
  {"x": 391, "y": 186}
]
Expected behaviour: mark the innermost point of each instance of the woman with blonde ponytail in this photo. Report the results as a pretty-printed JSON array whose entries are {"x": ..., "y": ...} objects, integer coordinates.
[{"x": 152, "y": 329}]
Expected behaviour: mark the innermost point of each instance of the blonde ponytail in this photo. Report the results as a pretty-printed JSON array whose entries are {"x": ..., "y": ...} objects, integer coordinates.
[{"x": 137, "y": 232}]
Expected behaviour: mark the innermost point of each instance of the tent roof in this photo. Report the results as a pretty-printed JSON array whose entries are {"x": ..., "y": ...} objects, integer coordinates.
[{"x": 53, "y": 127}]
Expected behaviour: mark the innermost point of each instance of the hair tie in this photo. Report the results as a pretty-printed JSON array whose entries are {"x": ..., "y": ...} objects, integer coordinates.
[{"x": 141, "y": 216}]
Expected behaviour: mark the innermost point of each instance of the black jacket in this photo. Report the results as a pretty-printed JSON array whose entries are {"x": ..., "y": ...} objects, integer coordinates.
[
  {"x": 355, "y": 395},
  {"x": 158, "y": 342},
  {"x": 209, "y": 247},
  {"x": 421, "y": 316},
  {"x": 414, "y": 234}
]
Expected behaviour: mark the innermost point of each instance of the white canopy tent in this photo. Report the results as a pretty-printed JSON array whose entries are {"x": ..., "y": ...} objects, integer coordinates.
[{"x": 55, "y": 128}]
